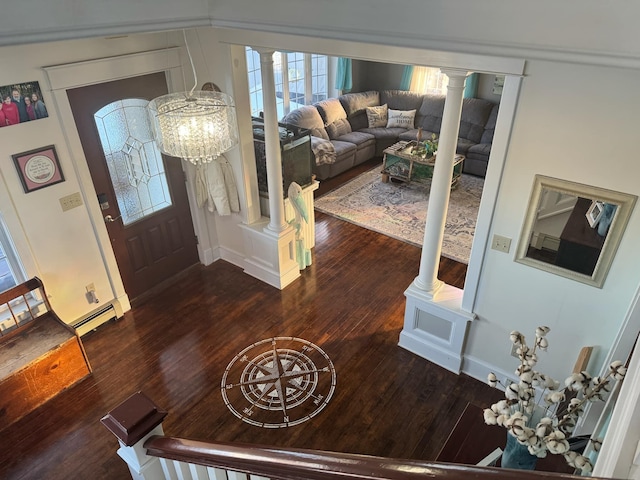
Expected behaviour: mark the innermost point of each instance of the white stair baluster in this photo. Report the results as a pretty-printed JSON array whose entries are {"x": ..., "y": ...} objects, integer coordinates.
[
  {"x": 236, "y": 475},
  {"x": 198, "y": 472},
  {"x": 217, "y": 473},
  {"x": 168, "y": 469}
]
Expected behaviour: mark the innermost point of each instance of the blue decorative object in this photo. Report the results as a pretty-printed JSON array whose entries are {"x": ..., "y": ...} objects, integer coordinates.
[
  {"x": 517, "y": 456},
  {"x": 606, "y": 218}
]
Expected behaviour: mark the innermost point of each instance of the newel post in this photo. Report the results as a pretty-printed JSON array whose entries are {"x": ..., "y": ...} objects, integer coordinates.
[{"x": 133, "y": 422}]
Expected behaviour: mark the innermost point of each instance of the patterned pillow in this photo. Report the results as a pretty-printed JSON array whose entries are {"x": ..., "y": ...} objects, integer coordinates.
[
  {"x": 401, "y": 118},
  {"x": 377, "y": 116}
]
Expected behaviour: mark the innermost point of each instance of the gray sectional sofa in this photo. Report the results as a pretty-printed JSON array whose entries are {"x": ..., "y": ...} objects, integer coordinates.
[{"x": 341, "y": 136}]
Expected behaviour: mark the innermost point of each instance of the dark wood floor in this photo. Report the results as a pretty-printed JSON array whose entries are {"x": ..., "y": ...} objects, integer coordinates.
[
  {"x": 332, "y": 183},
  {"x": 176, "y": 345}
]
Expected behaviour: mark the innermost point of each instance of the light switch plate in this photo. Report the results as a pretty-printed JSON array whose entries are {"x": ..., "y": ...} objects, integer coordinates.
[
  {"x": 71, "y": 201},
  {"x": 501, "y": 244}
]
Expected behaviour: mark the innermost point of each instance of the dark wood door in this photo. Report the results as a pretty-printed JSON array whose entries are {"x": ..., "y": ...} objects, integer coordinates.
[{"x": 143, "y": 191}]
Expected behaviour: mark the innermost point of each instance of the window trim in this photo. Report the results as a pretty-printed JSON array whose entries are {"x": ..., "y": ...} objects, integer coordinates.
[
  {"x": 11, "y": 254},
  {"x": 308, "y": 79}
]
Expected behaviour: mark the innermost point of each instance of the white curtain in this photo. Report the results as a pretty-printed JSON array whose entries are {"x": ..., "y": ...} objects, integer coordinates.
[{"x": 429, "y": 80}]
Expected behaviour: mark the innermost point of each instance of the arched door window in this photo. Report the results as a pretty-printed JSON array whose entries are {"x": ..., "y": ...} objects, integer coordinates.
[{"x": 133, "y": 159}]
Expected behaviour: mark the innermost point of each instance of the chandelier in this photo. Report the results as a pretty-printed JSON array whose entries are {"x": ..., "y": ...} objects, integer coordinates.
[{"x": 197, "y": 126}]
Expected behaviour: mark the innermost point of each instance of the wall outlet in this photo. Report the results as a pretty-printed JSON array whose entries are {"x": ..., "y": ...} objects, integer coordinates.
[
  {"x": 501, "y": 244},
  {"x": 71, "y": 201}
]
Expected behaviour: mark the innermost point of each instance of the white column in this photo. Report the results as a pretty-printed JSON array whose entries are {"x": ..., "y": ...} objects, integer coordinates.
[
  {"x": 434, "y": 324},
  {"x": 277, "y": 221},
  {"x": 427, "y": 278},
  {"x": 270, "y": 243}
]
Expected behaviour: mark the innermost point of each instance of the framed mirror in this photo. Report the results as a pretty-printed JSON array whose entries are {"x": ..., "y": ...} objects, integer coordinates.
[{"x": 573, "y": 230}]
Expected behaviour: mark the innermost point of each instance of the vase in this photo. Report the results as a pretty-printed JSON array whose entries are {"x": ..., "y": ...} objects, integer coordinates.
[{"x": 517, "y": 456}]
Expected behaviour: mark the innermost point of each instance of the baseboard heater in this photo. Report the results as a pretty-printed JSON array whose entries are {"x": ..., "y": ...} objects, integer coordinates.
[{"x": 94, "y": 320}]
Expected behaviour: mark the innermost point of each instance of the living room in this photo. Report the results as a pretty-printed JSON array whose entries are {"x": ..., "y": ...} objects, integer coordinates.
[
  {"x": 397, "y": 209},
  {"x": 551, "y": 134}
]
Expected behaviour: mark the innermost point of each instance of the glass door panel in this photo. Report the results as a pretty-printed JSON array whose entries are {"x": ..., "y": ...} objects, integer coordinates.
[{"x": 133, "y": 159}]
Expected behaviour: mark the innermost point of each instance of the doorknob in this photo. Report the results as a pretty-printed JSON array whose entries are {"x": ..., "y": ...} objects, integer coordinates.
[{"x": 110, "y": 219}]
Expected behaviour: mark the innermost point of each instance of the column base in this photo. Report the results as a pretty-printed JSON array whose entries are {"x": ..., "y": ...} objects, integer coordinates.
[
  {"x": 430, "y": 291},
  {"x": 308, "y": 228},
  {"x": 270, "y": 256},
  {"x": 435, "y": 327}
]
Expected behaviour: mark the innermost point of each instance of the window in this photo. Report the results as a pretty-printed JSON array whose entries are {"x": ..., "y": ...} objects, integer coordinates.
[
  {"x": 429, "y": 80},
  {"x": 300, "y": 79},
  {"x": 11, "y": 272},
  {"x": 133, "y": 159}
]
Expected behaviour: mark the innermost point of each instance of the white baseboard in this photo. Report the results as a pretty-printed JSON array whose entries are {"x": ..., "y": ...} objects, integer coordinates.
[
  {"x": 231, "y": 256},
  {"x": 121, "y": 305},
  {"x": 429, "y": 351},
  {"x": 269, "y": 275},
  {"x": 208, "y": 256},
  {"x": 256, "y": 269},
  {"x": 480, "y": 370}
]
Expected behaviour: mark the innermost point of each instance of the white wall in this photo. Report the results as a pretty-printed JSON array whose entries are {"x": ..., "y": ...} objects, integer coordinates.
[{"x": 576, "y": 123}]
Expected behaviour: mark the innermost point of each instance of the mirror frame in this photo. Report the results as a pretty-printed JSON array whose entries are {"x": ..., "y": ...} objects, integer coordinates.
[{"x": 625, "y": 203}]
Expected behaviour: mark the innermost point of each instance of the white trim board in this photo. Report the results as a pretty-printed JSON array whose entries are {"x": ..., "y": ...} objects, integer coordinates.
[
  {"x": 374, "y": 51},
  {"x": 78, "y": 74}
]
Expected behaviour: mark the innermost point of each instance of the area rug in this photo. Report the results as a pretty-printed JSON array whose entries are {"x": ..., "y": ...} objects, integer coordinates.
[{"x": 399, "y": 210}]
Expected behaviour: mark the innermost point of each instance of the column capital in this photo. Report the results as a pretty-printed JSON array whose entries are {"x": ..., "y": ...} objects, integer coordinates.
[
  {"x": 456, "y": 72},
  {"x": 457, "y": 76},
  {"x": 263, "y": 51}
]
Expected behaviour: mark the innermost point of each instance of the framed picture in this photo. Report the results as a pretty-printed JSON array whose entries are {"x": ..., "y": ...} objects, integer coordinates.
[
  {"x": 594, "y": 213},
  {"x": 21, "y": 103},
  {"x": 38, "y": 168}
]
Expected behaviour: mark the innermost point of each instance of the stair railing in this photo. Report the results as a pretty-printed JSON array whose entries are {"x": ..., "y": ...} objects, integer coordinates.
[{"x": 152, "y": 456}]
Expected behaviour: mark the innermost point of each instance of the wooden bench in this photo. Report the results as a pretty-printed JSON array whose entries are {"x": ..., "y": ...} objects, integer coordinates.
[{"x": 40, "y": 355}]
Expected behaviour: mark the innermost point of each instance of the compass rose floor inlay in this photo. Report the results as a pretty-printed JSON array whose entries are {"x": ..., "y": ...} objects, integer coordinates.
[{"x": 278, "y": 382}]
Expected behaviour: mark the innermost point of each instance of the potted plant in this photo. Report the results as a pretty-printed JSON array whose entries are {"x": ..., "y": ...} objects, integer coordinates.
[
  {"x": 539, "y": 415},
  {"x": 424, "y": 148}
]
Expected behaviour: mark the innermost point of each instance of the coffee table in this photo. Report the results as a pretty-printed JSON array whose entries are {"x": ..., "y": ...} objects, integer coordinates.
[{"x": 400, "y": 164}]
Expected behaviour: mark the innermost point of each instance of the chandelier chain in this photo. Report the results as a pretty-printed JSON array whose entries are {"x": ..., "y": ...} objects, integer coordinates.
[{"x": 193, "y": 68}]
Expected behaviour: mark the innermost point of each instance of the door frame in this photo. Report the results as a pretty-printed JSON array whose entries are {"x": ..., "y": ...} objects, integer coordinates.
[{"x": 80, "y": 74}]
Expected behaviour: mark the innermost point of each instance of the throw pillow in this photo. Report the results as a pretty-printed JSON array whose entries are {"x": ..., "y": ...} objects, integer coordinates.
[
  {"x": 401, "y": 118},
  {"x": 377, "y": 116},
  {"x": 338, "y": 128}
]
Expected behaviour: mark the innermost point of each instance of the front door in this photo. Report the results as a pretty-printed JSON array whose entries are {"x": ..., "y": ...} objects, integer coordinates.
[{"x": 142, "y": 193}]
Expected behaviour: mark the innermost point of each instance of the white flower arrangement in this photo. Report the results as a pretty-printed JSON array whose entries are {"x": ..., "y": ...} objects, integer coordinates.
[{"x": 547, "y": 426}]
